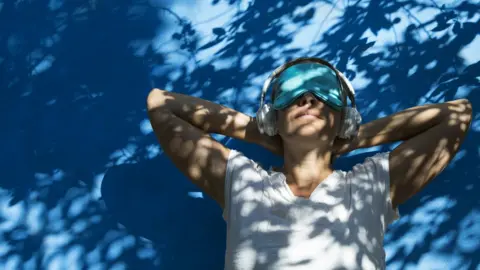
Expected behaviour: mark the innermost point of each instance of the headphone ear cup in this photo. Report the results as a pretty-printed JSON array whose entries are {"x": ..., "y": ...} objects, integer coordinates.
[
  {"x": 351, "y": 123},
  {"x": 266, "y": 120}
]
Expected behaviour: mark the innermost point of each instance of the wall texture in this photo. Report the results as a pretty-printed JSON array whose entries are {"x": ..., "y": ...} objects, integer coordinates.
[{"x": 84, "y": 183}]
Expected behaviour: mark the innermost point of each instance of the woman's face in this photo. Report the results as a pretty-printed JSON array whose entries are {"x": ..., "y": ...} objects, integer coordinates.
[{"x": 308, "y": 119}]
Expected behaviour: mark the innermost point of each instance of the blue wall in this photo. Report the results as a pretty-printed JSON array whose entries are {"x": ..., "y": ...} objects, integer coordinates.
[{"x": 84, "y": 182}]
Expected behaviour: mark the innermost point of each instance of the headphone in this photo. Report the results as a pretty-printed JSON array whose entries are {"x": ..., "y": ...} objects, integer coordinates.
[{"x": 351, "y": 118}]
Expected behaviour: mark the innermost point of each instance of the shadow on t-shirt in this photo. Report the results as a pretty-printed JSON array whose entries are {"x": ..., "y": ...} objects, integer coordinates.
[{"x": 153, "y": 199}]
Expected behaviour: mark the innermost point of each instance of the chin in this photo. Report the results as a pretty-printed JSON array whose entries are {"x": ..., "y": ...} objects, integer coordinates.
[
  {"x": 307, "y": 132},
  {"x": 305, "y": 129}
]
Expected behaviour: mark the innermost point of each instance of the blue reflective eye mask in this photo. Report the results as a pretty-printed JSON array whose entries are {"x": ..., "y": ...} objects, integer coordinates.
[{"x": 315, "y": 78}]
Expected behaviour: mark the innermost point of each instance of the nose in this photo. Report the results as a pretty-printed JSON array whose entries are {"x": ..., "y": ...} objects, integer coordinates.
[{"x": 308, "y": 98}]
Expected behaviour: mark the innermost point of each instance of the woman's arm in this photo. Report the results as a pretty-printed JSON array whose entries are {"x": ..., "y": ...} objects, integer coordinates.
[
  {"x": 182, "y": 125},
  {"x": 430, "y": 134},
  {"x": 405, "y": 124},
  {"x": 213, "y": 118}
]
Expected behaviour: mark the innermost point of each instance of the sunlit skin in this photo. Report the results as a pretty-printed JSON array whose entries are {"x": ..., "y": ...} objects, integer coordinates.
[
  {"x": 430, "y": 136},
  {"x": 308, "y": 128}
]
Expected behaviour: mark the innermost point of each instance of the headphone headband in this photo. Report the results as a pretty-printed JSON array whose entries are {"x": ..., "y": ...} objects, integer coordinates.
[{"x": 345, "y": 85}]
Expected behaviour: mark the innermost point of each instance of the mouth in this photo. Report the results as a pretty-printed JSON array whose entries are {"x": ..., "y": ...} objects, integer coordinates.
[{"x": 307, "y": 115}]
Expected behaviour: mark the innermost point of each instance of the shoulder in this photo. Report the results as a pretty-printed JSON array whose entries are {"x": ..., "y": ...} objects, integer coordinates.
[
  {"x": 378, "y": 159},
  {"x": 375, "y": 166},
  {"x": 371, "y": 179},
  {"x": 237, "y": 158},
  {"x": 239, "y": 164},
  {"x": 241, "y": 172}
]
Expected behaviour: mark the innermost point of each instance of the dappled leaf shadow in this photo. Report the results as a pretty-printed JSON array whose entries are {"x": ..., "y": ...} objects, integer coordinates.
[
  {"x": 150, "y": 202},
  {"x": 74, "y": 77}
]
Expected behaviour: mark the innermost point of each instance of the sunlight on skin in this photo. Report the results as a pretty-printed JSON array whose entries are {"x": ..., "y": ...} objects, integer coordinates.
[
  {"x": 425, "y": 16},
  {"x": 200, "y": 163},
  {"x": 426, "y": 219},
  {"x": 432, "y": 113}
]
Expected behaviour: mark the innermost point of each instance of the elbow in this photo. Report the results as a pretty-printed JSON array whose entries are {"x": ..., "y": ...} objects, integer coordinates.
[
  {"x": 465, "y": 109},
  {"x": 464, "y": 101},
  {"x": 156, "y": 100},
  {"x": 461, "y": 106},
  {"x": 460, "y": 114}
]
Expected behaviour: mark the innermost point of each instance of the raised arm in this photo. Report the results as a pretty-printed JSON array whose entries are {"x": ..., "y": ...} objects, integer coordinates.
[
  {"x": 182, "y": 125},
  {"x": 431, "y": 136}
]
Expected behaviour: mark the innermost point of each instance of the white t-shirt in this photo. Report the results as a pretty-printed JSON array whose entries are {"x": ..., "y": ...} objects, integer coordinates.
[{"x": 341, "y": 225}]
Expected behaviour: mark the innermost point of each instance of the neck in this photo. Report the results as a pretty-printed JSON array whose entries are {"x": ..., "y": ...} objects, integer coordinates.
[{"x": 306, "y": 168}]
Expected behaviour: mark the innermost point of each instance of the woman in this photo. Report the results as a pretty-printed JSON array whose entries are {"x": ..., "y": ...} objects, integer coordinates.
[{"x": 309, "y": 216}]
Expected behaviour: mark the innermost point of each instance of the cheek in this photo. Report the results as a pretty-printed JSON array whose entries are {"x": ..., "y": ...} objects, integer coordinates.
[
  {"x": 334, "y": 119},
  {"x": 279, "y": 119},
  {"x": 282, "y": 124}
]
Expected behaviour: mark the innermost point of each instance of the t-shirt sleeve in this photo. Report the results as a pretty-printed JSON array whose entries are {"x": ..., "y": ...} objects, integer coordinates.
[
  {"x": 382, "y": 173},
  {"x": 235, "y": 163}
]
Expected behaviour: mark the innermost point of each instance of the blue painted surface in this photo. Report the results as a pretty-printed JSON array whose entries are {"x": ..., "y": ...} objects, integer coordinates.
[{"x": 84, "y": 182}]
